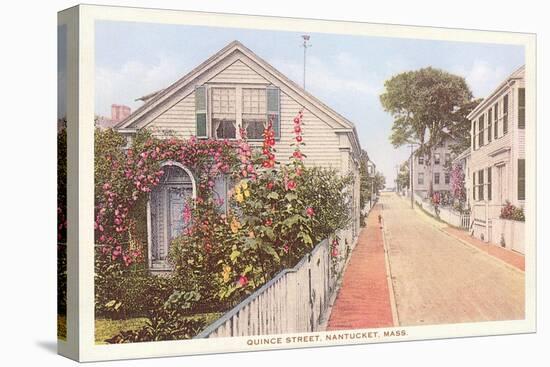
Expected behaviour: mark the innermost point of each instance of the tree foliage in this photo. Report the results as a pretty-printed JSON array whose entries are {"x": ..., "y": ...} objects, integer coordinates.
[{"x": 429, "y": 106}]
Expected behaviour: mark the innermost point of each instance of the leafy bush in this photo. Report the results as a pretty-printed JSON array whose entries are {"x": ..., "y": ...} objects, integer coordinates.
[
  {"x": 167, "y": 322},
  {"x": 512, "y": 212}
]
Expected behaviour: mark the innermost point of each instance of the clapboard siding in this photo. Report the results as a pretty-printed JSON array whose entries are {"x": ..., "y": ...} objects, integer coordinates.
[
  {"x": 238, "y": 72},
  {"x": 322, "y": 143},
  {"x": 178, "y": 119}
]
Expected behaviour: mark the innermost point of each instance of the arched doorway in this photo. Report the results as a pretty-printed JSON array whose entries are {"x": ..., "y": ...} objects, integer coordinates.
[{"x": 165, "y": 212}]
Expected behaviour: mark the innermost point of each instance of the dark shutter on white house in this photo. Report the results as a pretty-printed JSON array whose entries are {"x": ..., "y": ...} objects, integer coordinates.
[
  {"x": 521, "y": 108},
  {"x": 201, "y": 111},
  {"x": 274, "y": 109},
  {"x": 521, "y": 179}
]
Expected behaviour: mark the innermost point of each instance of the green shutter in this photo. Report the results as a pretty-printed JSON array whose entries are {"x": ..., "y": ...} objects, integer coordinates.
[
  {"x": 521, "y": 108},
  {"x": 521, "y": 179},
  {"x": 274, "y": 109},
  {"x": 201, "y": 111},
  {"x": 496, "y": 121},
  {"x": 489, "y": 184}
]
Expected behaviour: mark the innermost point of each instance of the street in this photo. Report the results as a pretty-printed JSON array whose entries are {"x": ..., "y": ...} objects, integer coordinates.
[{"x": 439, "y": 280}]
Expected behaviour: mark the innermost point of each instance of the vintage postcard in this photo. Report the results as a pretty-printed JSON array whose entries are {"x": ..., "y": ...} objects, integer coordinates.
[{"x": 237, "y": 183}]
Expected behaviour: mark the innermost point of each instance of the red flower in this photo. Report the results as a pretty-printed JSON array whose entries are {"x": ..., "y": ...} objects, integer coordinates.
[
  {"x": 243, "y": 281},
  {"x": 291, "y": 185},
  {"x": 269, "y": 185},
  {"x": 297, "y": 129},
  {"x": 268, "y": 222},
  {"x": 310, "y": 212},
  {"x": 299, "y": 138}
]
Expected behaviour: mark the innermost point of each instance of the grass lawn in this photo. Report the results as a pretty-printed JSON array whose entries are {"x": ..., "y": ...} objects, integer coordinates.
[
  {"x": 107, "y": 328},
  {"x": 61, "y": 327}
]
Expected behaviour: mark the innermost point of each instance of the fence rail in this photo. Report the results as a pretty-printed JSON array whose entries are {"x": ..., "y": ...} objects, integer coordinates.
[{"x": 294, "y": 301}]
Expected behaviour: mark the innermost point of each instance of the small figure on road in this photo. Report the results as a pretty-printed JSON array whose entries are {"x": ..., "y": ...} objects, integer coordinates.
[{"x": 380, "y": 219}]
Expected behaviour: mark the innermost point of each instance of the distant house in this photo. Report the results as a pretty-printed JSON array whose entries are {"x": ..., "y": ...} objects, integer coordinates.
[
  {"x": 437, "y": 168},
  {"x": 497, "y": 159},
  {"x": 236, "y": 89},
  {"x": 118, "y": 113}
]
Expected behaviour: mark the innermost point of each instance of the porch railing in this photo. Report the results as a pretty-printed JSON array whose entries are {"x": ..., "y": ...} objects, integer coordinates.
[{"x": 294, "y": 301}]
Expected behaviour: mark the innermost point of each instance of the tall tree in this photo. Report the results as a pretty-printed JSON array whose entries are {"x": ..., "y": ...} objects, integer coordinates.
[{"x": 427, "y": 105}]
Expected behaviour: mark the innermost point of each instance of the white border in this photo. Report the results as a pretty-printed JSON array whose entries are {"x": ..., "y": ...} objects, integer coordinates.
[{"x": 89, "y": 351}]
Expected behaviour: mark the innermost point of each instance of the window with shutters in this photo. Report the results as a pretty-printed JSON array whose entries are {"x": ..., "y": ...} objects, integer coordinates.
[
  {"x": 437, "y": 158},
  {"x": 480, "y": 184},
  {"x": 505, "y": 115},
  {"x": 474, "y": 187},
  {"x": 481, "y": 132},
  {"x": 436, "y": 178},
  {"x": 521, "y": 179},
  {"x": 474, "y": 135},
  {"x": 490, "y": 125},
  {"x": 274, "y": 109},
  {"x": 521, "y": 108},
  {"x": 421, "y": 178},
  {"x": 496, "y": 120},
  {"x": 447, "y": 158},
  {"x": 447, "y": 178},
  {"x": 224, "y": 119},
  {"x": 489, "y": 184},
  {"x": 421, "y": 159},
  {"x": 254, "y": 112}
]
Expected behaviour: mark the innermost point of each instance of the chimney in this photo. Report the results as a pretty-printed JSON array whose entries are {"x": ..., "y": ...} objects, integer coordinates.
[{"x": 119, "y": 112}]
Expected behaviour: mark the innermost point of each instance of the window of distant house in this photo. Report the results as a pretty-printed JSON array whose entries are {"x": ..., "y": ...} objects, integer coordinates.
[
  {"x": 224, "y": 121},
  {"x": 437, "y": 158},
  {"x": 447, "y": 158},
  {"x": 254, "y": 113},
  {"x": 495, "y": 109},
  {"x": 436, "y": 178},
  {"x": 521, "y": 108},
  {"x": 490, "y": 125},
  {"x": 421, "y": 160},
  {"x": 421, "y": 178},
  {"x": 505, "y": 115},
  {"x": 447, "y": 178}
]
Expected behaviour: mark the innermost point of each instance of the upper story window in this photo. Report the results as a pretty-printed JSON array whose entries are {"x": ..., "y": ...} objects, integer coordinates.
[
  {"x": 254, "y": 113},
  {"x": 436, "y": 178},
  {"x": 505, "y": 115},
  {"x": 220, "y": 112},
  {"x": 495, "y": 109},
  {"x": 421, "y": 178},
  {"x": 481, "y": 131},
  {"x": 490, "y": 125},
  {"x": 421, "y": 159},
  {"x": 474, "y": 135},
  {"x": 224, "y": 119},
  {"x": 521, "y": 108},
  {"x": 437, "y": 158},
  {"x": 447, "y": 158},
  {"x": 447, "y": 178}
]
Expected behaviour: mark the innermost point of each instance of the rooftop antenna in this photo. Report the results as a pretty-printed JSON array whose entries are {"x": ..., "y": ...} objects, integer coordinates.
[{"x": 305, "y": 45}]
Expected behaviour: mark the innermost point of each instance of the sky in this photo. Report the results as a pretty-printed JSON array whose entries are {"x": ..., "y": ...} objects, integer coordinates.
[{"x": 347, "y": 72}]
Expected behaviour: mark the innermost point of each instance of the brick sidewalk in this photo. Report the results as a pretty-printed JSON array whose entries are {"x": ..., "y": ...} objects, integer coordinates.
[
  {"x": 364, "y": 298},
  {"x": 510, "y": 257}
]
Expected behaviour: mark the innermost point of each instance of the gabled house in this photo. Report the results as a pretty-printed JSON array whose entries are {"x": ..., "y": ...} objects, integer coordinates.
[
  {"x": 497, "y": 162},
  {"x": 231, "y": 90}
]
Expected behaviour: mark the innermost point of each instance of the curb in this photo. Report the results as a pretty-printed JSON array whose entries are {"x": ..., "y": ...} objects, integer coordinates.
[{"x": 393, "y": 303}]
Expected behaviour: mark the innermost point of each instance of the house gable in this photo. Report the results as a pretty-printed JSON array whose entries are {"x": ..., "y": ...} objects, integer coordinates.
[{"x": 223, "y": 67}]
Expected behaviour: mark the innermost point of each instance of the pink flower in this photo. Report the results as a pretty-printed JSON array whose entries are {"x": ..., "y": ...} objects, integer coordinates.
[
  {"x": 334, "y": 252},
  {"x": 297, "y": 129},
  {"x": 291, "y": 185},
  {"x": 297, "y": 154},
  {"x": 243, "y": 281},
  {"x": 299, "y": 138},
  {"x": 310, "y": 212}
]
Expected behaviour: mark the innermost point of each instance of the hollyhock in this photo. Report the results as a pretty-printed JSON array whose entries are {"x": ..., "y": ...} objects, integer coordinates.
[
  {"x": 291, "y": 185},
  {"x": 243, "y": 281},
  {"x": 310, "y": 212}
]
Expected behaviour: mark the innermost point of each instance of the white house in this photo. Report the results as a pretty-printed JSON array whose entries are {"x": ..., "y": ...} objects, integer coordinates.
[
  {"x": 232, "y": 89},
  {"x": 438, "y": 169},
  {"x": 497, "y": 161}
]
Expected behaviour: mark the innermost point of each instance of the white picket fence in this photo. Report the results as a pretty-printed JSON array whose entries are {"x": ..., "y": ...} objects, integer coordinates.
[
  {"x": 448, "y": 215},
  {"x": 294, "y": 301}
]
